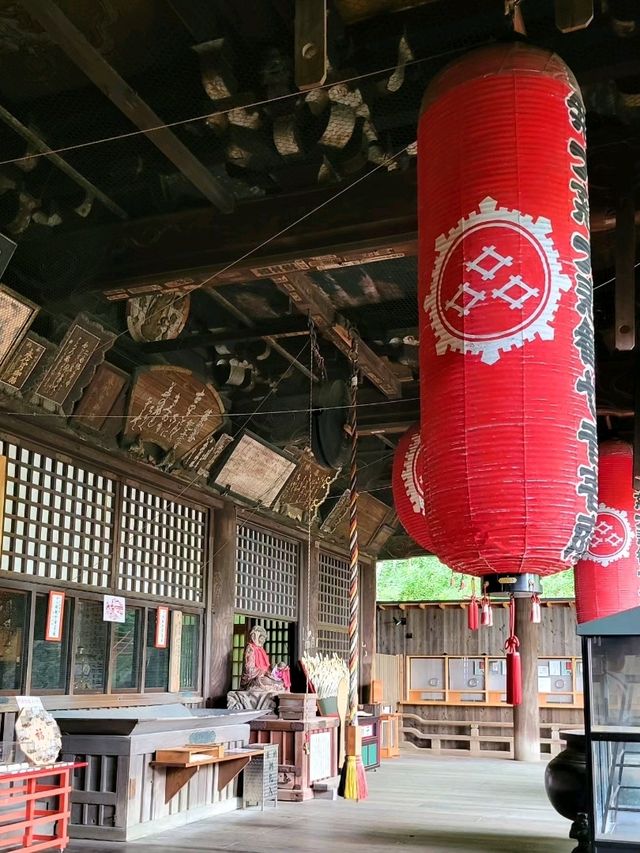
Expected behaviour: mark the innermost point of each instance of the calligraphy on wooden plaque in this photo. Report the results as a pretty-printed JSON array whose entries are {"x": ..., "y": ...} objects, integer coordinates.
[
  {"x": 16, "y": 315},
  {"x": 306, "y": 489},
  {"x": 26, "y": 364},
  {"x": 255, "y": 471},
  {"x": 372, "y": 515},
  {"x": 96, "y": 409},
  {"x": 172, "y": 408},
  {"x": 202, "y": 457},
  {"x": 82, "y": 349},
  {"x": 157, "y": 317}
]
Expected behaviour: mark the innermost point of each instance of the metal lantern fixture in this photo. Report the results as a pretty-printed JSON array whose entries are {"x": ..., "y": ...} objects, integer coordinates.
[
  {"x": 607, "y": 579},
  {"x": 408, "y": 490},
  {"x": 506, "y": 332}
]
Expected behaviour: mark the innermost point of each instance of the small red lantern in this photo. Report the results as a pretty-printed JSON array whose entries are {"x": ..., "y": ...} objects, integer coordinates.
[
  {"x": 607, "y": 576},
  {"x": 506, "y": 331},
  {"x": 408, "y": 488}
]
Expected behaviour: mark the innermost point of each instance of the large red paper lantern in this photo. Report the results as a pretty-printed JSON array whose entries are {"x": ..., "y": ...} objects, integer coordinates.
[
  {"x": 408, "y": 489},
  {"x": 607, "y": 575},
  {"x": 506, "y": 332}
]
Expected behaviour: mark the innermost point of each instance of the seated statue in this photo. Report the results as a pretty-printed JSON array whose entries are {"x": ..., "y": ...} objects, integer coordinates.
[
  {"x": 259, "y": 682},
  {"x": 256, "y": 674}
]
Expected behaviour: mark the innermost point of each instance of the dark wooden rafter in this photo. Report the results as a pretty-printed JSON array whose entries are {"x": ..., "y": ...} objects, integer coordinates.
[
  {"x": 383, "y": 207},
  {"x": 270, "y": 339},
  {"x": 287, "y": 327},
  {"x": 310, "y": 43},
  {"x": 106, "y": 78},
  {"x": 38, "y": 146},
  {"x": 311, "y": 300}
]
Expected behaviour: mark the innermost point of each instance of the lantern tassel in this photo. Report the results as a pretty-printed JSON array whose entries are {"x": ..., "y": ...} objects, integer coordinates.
[
  {"x": 472, "y": 614},
  {"x": 353, "y": 782},
  {"x": 536, "y": 613},
  {"x": 514, "y": 665},
  {"x": 486, "y": 611}
]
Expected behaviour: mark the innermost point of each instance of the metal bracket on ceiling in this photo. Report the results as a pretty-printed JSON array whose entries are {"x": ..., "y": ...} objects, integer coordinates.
[{"x": 310, "y": 43}]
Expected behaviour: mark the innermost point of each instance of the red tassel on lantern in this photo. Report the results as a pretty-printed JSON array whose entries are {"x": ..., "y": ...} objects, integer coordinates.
[
  {"x": 514, "y": 666},
  {"x": 536, "y": 613},
  {"x": 472, "y": 614}
]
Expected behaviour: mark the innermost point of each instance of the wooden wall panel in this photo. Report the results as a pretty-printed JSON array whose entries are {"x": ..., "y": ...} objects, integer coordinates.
[{"x": 438, "y": 631}]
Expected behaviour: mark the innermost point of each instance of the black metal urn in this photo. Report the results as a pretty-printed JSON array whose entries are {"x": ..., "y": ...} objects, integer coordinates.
[{"x": 565, "y": 778}]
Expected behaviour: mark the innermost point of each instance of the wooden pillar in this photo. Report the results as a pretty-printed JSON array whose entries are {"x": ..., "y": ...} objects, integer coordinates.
[
  {"x": 367, "y": 625},
  {"x": 526, "y": 717},
  {"x": 309, "y": 598},
  {"x": 222, "y": 603}
]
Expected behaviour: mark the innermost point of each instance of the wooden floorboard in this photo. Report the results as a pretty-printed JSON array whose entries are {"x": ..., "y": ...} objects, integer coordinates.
[{"x": 416, "y": 803}]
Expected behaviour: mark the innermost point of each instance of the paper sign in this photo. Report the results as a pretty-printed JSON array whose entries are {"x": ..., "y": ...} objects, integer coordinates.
[
  {"x": 113, "y": 609},
  {"x": 55, "y": 617},
  {"x": 162, "y": 628},
  {"x": 30, "y": 703}
]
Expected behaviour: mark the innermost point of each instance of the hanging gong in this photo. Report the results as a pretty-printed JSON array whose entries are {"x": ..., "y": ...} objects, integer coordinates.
[{"x": 330, "y": 417}]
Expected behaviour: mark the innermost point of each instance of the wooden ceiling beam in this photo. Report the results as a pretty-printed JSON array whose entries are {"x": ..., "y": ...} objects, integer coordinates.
[
  {"x": 311, "y": 300},
  {"x": 38, "y": 146},
  {"x": 287, "y": 327},
  {"x": 197, "y": 247},
  {"x": 106, "y": 78}
]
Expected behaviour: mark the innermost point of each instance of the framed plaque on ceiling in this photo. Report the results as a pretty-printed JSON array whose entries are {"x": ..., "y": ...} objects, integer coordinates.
[
  {"x": 16, "y": 315},
  {"x": 255, "y": 471}
]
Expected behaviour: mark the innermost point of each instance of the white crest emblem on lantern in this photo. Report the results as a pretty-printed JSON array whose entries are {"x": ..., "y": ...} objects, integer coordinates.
[
  {"x": 411, "y": 476},
  {"x": 612, "y": 536},
  {"x": 491, "y": 282}
]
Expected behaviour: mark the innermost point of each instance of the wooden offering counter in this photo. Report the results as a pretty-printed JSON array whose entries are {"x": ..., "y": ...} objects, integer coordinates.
[
  {"x": 126, "y": 791},
  {"x": 182, "y": 763}
]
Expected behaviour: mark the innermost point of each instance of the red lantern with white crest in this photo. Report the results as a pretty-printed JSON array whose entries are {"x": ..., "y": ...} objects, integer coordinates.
[
  {"x": 607, "y": 576},
  {"x": 506, "y": 333},
  {"x": 408, "y": 489}
]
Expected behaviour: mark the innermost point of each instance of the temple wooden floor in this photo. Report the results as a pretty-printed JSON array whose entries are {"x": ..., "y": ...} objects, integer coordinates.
[{"x": 417, "y": 803}]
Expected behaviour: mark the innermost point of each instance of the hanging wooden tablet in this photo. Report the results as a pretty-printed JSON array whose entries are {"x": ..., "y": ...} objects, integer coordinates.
[
  {"x": 202, "y": 457},
  {"x": 96, "y": 410},
  {"x": 157, "y": 317},
  {"x": 173, "y": 409},
  {"x": 16, "y": 315},
  {"x": 82, "y": 349},
  {"x": 306, "y": 489},
  {"x": 26, "y": 365},
  {"x": 254, "y": 470}
]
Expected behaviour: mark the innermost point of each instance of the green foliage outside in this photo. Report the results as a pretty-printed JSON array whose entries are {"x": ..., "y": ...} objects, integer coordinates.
[{"x": 427, "y": 579}]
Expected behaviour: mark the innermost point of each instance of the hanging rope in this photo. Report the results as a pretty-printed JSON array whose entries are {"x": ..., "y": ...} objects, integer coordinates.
[
  {"x": 353, "y": 782},
  {"x": 354, "y": 597}
]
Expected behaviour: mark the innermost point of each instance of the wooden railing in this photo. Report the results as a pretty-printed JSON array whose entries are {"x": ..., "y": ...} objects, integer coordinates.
[{"x": 473, "y": 737}]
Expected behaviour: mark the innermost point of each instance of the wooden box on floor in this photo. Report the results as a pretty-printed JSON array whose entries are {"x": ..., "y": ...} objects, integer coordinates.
[
  {"x": 370, "y": 729},
  {"x": 390, "y": 735},
  {"x": 297, "y": 706},
  {"x": 308, "y": 751}
]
